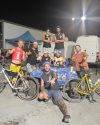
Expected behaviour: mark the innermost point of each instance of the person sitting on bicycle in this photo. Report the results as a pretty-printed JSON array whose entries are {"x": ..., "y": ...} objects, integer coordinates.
[
  {"x": 49, "y": 88},
  {"x": 18, "y": 55},
  {"x": 80, "y": 61}
]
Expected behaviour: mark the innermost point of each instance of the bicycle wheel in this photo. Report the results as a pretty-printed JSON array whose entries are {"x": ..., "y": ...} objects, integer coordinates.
[
  {"x": 3, "y": 82},
  {"x": 28, "y": 88},
  {"x": 97, "y": 91},
  {"x": 70, "y": 91}
]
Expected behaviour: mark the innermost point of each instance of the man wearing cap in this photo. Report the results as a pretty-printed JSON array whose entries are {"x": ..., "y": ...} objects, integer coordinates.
[
  {"x": 50, "y": 89},
  {"x": 58, "y": 59},
  {"x": 46, "y": 57},
  {"x": 32, "y": 54}
]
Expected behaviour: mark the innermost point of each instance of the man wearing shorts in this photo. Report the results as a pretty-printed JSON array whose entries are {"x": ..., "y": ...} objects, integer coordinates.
[
  {"x": 50, "y": 89},
  {"x": 80, "y": 61},
  {"x": 18, "y": 55},
  {"x": 59, "y": 40},
  {"x": 47, "y": 40}
]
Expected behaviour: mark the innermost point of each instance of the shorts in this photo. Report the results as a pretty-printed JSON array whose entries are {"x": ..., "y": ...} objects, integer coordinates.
[
  {"x": 49, "y": 49},
  {"x": 15, "y": 68},
  {"x": 55, "y": 95}
]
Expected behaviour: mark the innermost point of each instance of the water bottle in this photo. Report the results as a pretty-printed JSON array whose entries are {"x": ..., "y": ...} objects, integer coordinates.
[
  {"x": 90, "y": 82},
  {"x": 71, "y": 69},
  {"x": 29, "y": 68}
]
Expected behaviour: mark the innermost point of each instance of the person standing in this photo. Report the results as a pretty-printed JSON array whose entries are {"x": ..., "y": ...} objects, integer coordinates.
[
  {"x": 59, "y": 39},
  {"x": 80, "y": 61},
  {"x": 47, "y": 39},
  {"x": 18, "y": 56},
  {"x": 32, "y": 54},
  {"x": 49, "y": 88}
]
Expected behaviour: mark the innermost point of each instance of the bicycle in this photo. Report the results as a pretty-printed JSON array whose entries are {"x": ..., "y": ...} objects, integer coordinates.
[
  {"x": 26, "y": 87},
  {"x": 77, "y": 89}
]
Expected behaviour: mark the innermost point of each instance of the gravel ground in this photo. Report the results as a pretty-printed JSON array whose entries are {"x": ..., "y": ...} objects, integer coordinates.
[{"x": 14, "y": 111}]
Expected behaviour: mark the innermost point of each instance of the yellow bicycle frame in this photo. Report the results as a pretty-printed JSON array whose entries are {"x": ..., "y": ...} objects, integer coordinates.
[{"x": 90, "y": 89}]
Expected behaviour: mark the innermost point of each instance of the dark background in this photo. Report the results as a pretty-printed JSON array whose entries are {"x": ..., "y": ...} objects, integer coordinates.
[{"x": 42, "y": 14}]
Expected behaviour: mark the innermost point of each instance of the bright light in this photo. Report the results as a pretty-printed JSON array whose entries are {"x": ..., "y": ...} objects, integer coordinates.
[
  {"x": 83, "y": 18},
  {"x": 73, "y": 19}
]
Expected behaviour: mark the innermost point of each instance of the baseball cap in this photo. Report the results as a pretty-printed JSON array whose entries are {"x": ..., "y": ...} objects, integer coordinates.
[
  {"x": 46, "y": 52},
  {"x": 57, "y": 51},
  {"x": 47, "y": 63}
]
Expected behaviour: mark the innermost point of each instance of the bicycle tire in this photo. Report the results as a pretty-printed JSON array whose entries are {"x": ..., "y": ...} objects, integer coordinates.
[
  {"x": 70, "y": 93},
  {"x": 32, "y": 91},
  {"x": 2, "y": 86},
  {"x": 2, "y": 82},
  {"x": 97, "y": 91}
]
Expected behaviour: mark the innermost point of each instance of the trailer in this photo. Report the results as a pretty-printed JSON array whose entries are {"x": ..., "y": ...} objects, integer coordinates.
[{"x": 9, "y": 30}]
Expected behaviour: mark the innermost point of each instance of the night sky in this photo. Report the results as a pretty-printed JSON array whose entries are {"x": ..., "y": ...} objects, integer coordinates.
[{"x": 43, "y": 14}]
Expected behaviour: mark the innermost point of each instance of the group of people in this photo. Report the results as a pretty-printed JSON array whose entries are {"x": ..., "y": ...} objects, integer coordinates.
[
  {"x": 37, "y": 59},
  {"x": 49, "y": 87},
  {"x": 58, "y": 38}
]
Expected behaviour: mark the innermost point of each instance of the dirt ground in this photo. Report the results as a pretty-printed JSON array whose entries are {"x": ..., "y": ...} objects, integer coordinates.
[{"x": 14, "y": 111}]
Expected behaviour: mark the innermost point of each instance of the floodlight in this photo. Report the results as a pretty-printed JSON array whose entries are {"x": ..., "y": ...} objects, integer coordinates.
[
  {"x": 83, "y": 18},
  {"x": 73, "y": 19}
]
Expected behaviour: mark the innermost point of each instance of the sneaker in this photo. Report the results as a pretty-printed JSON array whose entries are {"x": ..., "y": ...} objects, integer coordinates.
[
  {"x": 66, "y": 119},
  {"x": 46, "y": 100},
  {"x": 13, "y": 90},
  {"x": 39, "y": 100},
  {"x": 15, "y": 94}
]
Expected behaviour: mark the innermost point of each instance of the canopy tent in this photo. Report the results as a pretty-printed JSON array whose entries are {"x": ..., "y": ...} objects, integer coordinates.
[{"x": 27, "y": 37}]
